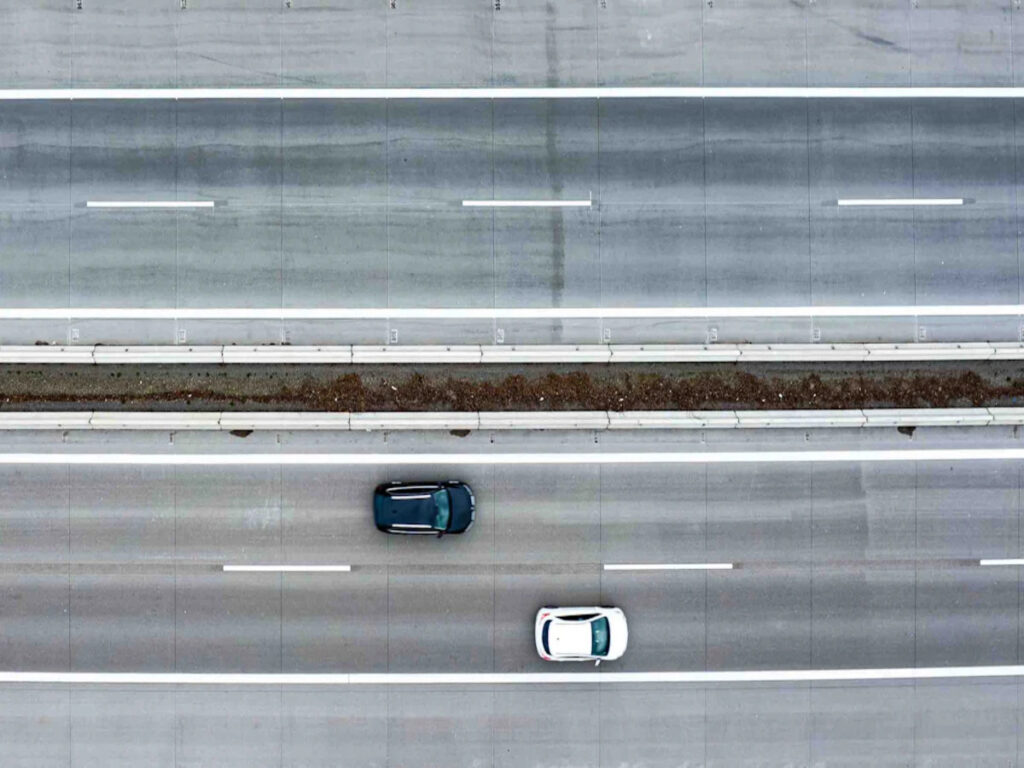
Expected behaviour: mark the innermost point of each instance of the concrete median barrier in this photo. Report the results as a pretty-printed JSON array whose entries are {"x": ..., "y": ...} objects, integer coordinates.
[
  {"x": 501, "y": 354},
  {"x": 509, "y": 420}
]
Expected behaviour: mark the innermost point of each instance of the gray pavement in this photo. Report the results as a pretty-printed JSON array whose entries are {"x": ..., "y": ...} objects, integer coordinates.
[
  {"x": 931, "y": 724},
  {"x": 894, "y": 725},
  {"x": 226, "y": 43},
  {"x": 845, "y": 565},
  {"x": 358, "y": 204}
]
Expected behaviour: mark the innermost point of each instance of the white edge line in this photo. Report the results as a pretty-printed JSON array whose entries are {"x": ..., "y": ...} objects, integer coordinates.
[
  {"x": 649, "y": 92},
  {"x": 527, "y": 203},
  {"x": 287, "y": 568},
  {"x": 485, "y": 313},
  {"x": 502, "y": 459},
  {"x": 1003, "y": 561},
  {"x": 149, "y": 204},
  {"x": 900, "y": 201},
  {"x": 498, "y": 678},
  {"x": 669, "y": 566}
]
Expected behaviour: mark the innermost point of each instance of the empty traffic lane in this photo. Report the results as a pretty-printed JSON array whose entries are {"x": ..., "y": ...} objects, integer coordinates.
[
  {"x": 518, "y": 43},
  {"x": 878, "y": 724},
  {"x": 359, "y": 205}
]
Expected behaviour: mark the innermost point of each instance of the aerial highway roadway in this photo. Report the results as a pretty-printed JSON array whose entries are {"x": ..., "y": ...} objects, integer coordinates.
[
  {"x": 812, "y": 597},
  {"x": 399, "y": 43},
  {"x": 179, "y": 570},
  {"x": 469, "y": 220}
]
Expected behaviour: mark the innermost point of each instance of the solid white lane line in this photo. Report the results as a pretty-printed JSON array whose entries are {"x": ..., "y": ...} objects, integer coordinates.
[
  {"x": 485, "y": 313},
  {"x": 639, "y": 92},
  {"x": 526, "y": 203},
  {"x": 1003, "y": 561},
  {"x": 287, "y": 568},
  {"x": 510, "y": 678},
  {"x": 668, "y": 566},
  {"x": 501, "y": 459},
  {"x": 149, "y": 204},
  {"x": 901, "y": 201}
]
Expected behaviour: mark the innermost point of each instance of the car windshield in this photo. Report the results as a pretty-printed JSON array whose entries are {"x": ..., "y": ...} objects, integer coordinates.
[
  {"x": 444, "y": 512},
  {"x": 599, "y": 632}
]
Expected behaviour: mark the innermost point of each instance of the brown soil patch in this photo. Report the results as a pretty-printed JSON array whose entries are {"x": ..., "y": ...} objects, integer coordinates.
[{"x": 522, "y": 388}]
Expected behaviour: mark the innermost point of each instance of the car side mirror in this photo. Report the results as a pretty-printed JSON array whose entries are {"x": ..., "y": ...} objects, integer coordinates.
[{"x": 597, "y": 663}]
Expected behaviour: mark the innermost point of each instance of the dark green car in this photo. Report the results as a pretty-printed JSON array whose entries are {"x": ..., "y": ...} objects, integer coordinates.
[{"x": 424, "y": 508}]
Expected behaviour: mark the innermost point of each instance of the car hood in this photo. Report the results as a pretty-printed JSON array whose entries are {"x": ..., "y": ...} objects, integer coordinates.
[
  {"x": 618, "y": 634},
  {"x": 462, "y": 508}
]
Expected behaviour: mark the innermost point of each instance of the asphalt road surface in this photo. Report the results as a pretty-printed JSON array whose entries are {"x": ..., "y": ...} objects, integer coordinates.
[
  {"x": 358, "y": 205},
  {"x": 837, "y": 565},
  {"x": 223, "y": 43}
]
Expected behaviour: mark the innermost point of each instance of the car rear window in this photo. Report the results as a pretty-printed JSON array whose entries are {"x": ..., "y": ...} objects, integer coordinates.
[
  {"x": 444, "y": 511},
  {"x": 544, "y": 638}
]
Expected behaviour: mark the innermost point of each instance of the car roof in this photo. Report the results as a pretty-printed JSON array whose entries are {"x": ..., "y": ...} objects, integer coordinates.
[
  {"x": 408, "y": 507},
  {"x": 570, "y": 638}
]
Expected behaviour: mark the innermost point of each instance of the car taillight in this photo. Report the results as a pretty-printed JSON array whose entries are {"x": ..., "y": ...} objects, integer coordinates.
[{"x": 544, "y": 616}]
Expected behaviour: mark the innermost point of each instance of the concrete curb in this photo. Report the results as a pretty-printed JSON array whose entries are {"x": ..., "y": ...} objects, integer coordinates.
[
  {"x": 501, "y": 354},
  {"x": 508, "y": 420}
]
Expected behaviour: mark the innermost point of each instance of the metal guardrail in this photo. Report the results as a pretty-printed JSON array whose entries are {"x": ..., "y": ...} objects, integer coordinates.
[
  {"x": 501, "y": 354},
  {"x": 509, "y": 420}
]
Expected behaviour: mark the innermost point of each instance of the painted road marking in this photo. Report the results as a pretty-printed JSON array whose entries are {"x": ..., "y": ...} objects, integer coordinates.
[
  {"x": 526, "y": 203},
  {"x": 1004, "y": 561},
  {"x": 500, "y": 459},
  {"x": 486, "y": 313},
  {"x": 149, "y": 204},
  {"x": 900, "y": 201},
  {"x": 639, "y": 92},
  {"x": 510, "y": 678},
  {"x": 287, "y": 568},
  {"x": 669, "y": 566}
]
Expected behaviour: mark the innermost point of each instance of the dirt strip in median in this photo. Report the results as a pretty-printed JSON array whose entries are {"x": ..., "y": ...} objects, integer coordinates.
[{"x": 723, "y": 386}]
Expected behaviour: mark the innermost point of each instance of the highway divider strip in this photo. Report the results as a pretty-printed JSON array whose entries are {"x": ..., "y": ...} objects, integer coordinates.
[
  {"x": 348, "y": 354},
  {"x": 243, "y": 421}
]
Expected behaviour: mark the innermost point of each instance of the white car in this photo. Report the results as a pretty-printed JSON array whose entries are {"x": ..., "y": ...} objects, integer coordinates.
[{"x": 584, "y": 633}]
